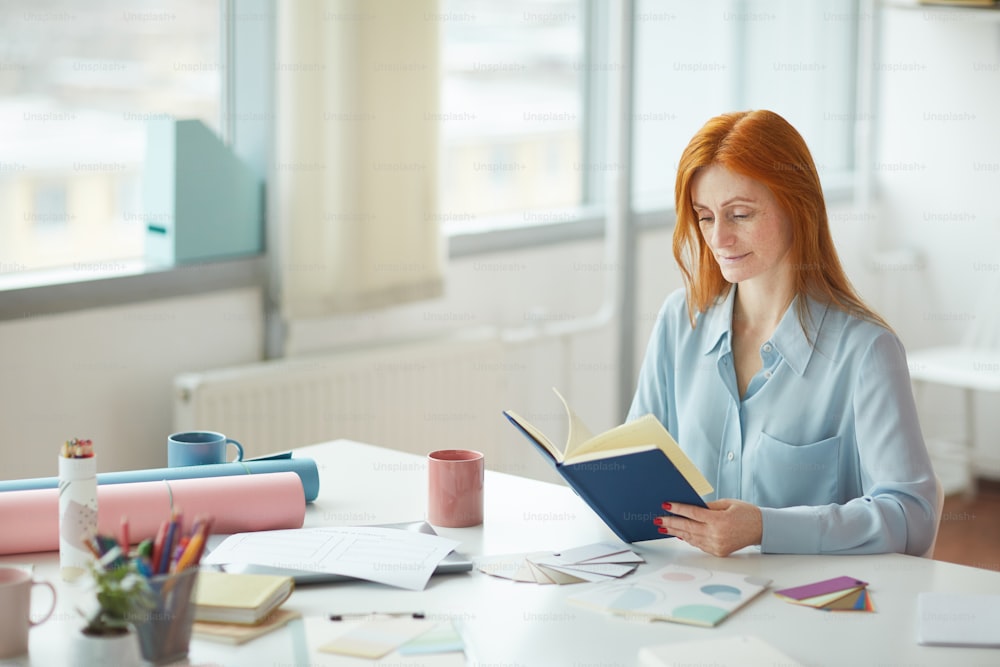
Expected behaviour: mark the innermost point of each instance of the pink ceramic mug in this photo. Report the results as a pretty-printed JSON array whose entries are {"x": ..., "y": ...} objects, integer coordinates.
[
  {"x": 455, "y": 488},
  {"x": 15, "y": 610}
]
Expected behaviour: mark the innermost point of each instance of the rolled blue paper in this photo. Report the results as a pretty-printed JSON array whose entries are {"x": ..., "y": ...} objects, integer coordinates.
[{"x": 304, "y": 468}]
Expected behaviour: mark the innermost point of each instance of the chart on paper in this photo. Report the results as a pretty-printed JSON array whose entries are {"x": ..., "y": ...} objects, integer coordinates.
[{"x": 398, "y": 558}]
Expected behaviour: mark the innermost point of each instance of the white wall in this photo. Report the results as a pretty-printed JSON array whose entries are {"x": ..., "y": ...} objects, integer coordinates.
[
  {"x": 937, "y": 172},
  {"x": 107, "y": 374}
]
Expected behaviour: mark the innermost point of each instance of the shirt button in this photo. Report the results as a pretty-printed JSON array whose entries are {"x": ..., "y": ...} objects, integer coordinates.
[
  {"x": 767, "y": 347},
  {"x": 767, "y": 375},
  {"x": 730, "y": 456}
]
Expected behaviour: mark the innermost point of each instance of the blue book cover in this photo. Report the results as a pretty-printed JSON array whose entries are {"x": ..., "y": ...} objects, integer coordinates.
[{"x": 624, "y": 474}]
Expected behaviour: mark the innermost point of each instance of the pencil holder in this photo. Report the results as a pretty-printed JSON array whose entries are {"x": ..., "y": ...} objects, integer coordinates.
[
  {"x": 77, "y": 513},
  {"x": 165, "y": 630}
]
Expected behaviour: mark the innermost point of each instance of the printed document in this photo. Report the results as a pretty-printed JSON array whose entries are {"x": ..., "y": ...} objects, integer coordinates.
[{"x": 401, "y": 558}]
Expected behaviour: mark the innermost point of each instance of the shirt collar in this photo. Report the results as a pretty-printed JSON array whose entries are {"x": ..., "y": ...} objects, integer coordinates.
[
  {"x": 794, "y": 344},
  {"x": 718, "y": 321},
  {"x": 789, "y": 338}
]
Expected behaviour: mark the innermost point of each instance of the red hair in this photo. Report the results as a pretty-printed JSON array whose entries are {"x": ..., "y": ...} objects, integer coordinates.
[{"x": 765, "y": 147}]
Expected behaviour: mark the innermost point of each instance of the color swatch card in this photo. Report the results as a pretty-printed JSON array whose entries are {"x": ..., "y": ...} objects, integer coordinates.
[
  {"x": 593, "y": 562},
  {"x": 676, "y": 593},
  {"x": 836, "y": 594}
]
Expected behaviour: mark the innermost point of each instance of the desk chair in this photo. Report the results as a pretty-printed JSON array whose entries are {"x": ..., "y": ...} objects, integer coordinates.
[
  {"x": 973, "y": 365},
  {"x": 939, "y": 505}
]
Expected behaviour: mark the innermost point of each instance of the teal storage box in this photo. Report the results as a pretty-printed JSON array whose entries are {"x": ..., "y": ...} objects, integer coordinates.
[{"x": 201, "y": 201}]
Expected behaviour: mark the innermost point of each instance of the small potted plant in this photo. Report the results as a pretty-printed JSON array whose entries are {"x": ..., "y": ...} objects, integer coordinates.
[{"x": 122, "y": 592}]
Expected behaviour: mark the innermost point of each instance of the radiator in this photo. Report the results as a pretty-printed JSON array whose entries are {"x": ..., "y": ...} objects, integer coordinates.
[{"x": 415, "y": 397}]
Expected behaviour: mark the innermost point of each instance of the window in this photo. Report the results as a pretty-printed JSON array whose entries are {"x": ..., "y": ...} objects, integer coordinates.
[
  {"x": 77, "y": 83},
  {"x": 522, "y": 96},
  {"x": 695, "y": 60},
  {"x": 512, "y": 113}
]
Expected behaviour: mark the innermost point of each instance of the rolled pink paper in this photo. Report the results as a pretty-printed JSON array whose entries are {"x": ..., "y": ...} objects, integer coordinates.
[{"x": 30, "y": 519}]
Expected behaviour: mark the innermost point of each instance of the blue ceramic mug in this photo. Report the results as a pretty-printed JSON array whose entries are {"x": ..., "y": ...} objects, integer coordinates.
[{"x": 195, "y": 448}]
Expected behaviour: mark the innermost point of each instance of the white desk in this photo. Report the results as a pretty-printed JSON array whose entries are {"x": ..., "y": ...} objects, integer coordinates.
[{"x": 511, "y": 623}]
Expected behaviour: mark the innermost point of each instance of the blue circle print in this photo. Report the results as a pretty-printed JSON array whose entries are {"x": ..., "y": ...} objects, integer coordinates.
[{"x": 722, "y": 592}]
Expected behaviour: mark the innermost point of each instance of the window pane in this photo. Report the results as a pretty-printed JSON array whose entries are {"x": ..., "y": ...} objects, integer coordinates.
[
  {"x": 512, "y": 112},
  {"x": 77, "y": 83},
  {"x": 697, "y": 60}
]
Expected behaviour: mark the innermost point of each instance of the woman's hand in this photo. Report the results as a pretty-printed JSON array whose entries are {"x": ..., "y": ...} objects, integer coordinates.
[{"x": 726, "y": 526}]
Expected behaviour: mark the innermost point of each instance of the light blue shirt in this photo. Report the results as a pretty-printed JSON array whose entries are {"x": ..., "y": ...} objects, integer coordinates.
[{"x": 825, "y": 441}]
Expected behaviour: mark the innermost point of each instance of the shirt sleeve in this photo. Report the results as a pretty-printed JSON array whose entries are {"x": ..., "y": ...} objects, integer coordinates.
[{"x": 897, "y": 511}]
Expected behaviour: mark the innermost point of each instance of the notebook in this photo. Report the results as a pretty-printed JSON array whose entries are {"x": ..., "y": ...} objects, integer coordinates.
[
  {"x": 239, "y": 633},
  {"x": 222, "y": 597},
  {"x": 453, "y": 563},
  {"x": 958, "y": 619}
]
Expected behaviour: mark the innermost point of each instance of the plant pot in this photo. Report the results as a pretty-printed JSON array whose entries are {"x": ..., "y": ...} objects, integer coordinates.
[{"x": 121, "y": 650}]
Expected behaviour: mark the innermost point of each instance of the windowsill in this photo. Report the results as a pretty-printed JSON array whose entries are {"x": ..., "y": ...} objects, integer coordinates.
[
  {"x": 499, "y": 235},
  {"x": 114, "y": 283},
  {"x": 34, "y": 294}
]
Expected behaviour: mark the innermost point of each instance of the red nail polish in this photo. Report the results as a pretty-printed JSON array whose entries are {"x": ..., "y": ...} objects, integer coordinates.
[
  {"x": 662, "y": 530},
  {"x": 658, "y": 521},
  {"x": 667, "y": 506}
]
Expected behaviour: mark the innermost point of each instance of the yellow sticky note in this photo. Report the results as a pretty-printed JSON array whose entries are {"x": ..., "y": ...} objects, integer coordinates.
[{"x": 377, "y": 637}]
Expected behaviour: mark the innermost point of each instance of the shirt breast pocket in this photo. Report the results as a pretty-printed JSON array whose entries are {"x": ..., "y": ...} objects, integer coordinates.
[{"x": 787, "y": 475}]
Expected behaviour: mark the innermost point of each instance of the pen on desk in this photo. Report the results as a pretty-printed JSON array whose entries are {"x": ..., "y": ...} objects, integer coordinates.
[{"x": 366, "y": 614}]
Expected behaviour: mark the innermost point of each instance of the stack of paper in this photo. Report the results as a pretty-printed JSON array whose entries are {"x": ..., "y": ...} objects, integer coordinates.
[
  {"x": 739, "y": 650},
  {"x": 594, "y": 562},
  {"x": 958, "y": 619},
  {"x": 837, "y": 594},
  {"x": 402, "y": 558}
]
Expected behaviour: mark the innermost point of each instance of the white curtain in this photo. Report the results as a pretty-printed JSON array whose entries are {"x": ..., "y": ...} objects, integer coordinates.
[{"x": 356, "y": 157}]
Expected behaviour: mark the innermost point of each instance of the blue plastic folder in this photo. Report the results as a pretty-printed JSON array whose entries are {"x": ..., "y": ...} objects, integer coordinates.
[{"x": 304, "y": 468}]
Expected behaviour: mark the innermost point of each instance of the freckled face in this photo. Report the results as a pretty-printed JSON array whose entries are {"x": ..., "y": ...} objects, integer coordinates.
[{"x": 741, "y": 222}]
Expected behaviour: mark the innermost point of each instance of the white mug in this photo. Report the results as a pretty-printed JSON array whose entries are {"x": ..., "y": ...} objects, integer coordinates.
[{"x": 15, "y": 610}]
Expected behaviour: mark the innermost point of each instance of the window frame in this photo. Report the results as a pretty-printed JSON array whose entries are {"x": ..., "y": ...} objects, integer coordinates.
[
  {"x": 248, "y": 48},
  {"x": 247, "y": 56}
]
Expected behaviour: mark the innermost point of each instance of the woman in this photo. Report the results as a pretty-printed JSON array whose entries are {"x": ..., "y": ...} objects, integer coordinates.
[{"x": 784, "y": 388}]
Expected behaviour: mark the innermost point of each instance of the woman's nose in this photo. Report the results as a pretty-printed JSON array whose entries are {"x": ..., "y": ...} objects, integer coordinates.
[{"x": 721, "y": 235}]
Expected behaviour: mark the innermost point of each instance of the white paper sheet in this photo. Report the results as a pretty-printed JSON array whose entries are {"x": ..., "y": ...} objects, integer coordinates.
[{"x": 401, "y": 558}]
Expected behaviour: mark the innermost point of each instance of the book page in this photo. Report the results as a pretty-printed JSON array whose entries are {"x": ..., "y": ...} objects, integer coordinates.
[
  {"x": 577, "y": 433},
  {"x": 535, "y": 435},
  {"x": 637, "y": 435}
]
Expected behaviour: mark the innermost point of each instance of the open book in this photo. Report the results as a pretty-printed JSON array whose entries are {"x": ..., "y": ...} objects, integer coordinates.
[{"x": 625, "y": 474}]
